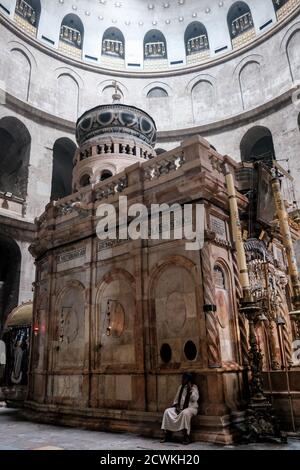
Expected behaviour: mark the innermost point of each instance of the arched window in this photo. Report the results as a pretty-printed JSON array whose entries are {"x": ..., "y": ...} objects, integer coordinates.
[
  {"x": 157, "y": 92},
  {"x": 10, "y": 265},
  {"x": 71, "y": 35},
  {"x": 239, "y": 19},
  {"x": 155, "y": 46},
  {"x": 113, "y": 43},
  {"x": 105, "y": 175},
  {"x": 85, "y": 180},
  {"x": 257, "y": 145},
  {"x": 195, "y": 38},
  {"x": 63, "y": 153},
  {"x": 27, "y": 15},
  {"x": 14, "y": 157}
]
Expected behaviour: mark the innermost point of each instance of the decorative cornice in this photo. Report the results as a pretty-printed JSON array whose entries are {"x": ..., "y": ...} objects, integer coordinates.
[{"x": 32, "y": 112}]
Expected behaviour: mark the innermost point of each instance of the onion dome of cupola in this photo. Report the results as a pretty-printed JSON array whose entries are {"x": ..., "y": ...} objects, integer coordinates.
[
  {"x": 116, "y": 118},
  {"x": 111, "y": 137}
]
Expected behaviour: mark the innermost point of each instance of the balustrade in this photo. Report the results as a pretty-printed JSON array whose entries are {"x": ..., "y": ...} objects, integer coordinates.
[
  {"x": 113, "y": 48},
  {"x": 163, "y": 166},
  {"x": 197, "y": 44},
  {"x": 71, "y": 36},
  {"x": 241, "y": 24},
  {"x": 27, "y": 12},
  {"x": 155, "y": 50}
]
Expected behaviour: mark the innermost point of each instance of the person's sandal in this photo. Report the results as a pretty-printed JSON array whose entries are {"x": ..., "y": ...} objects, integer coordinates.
[{"x": 186, "y": 440}]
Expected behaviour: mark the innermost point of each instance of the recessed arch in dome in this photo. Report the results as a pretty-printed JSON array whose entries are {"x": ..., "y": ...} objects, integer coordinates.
[
  {"x": 72, "y": 31},
  {"x": 239, "y": 19},
  {"x": 257, "y": 145},
  {"x": 157, "y": 92},
  {"x": 113, "y": 43},
  {"x": 196, "y": 38},
  {"x": 155, "y": 45}
]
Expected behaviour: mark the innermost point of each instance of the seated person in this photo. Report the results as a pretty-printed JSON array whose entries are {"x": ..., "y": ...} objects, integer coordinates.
[{"x": 185, "y": 406}]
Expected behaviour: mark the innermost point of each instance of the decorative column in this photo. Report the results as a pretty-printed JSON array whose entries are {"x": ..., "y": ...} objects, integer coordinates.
[
  {"x": 249, "y": 308},
  {"x": 289, "y": 248},
  {"x": 237, "y": 236},
  {"x": 241, "y": 316},
  {"x": 210, "y": 309}
]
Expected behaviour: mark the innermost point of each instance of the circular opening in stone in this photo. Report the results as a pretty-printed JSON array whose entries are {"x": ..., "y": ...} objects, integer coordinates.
[
  {"x": 86, "y": 124},
  {"x": 190, "y": 350},
  {"x": 166, "y": 353}
]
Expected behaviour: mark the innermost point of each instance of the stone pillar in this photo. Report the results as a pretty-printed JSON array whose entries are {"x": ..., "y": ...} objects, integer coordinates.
[
  {"x": 241, "y": 316},
  {"x": 210, "y": 308}
]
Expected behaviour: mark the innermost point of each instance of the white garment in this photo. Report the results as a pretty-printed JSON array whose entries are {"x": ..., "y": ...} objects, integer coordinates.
[{"x": 177, "y": 422}]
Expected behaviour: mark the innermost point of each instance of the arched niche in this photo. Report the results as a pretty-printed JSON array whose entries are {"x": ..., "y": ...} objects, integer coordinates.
[
  {"x": 67, "y": 97},
  {"x": 116, "y": 319},
  {"x": 251, "y": 84},
  {"x": 157, "y": 92},
  {"x": 105, "y": 174},
  {"x": 224, "y": 313},
  {"x": 173, "y": 298},
  {"x": 14, "y": 156},
  {"x": 69, "y": 331},
  {"x": 72, "y": 31},
  {"x": 19, "y": 76},
  {"x": 155, "y": 45},
  {"x": 84, "y": 181},
  {"x": 239, "y": 19},
  {"x": 63, "y": 154},
  {"x": 292, "y": 51},
  {"x": 196, "y": 38},
  {"x": 257, "y": 145},
  {"x": 10, "y": 266},
  {"x": 203, "y": 98},
  {"x": 113, "y": 43}
]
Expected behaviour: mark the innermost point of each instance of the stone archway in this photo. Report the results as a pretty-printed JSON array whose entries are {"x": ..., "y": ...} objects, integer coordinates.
[
  {"x": 14, "y": 155},
  {"x": 10, "y": 265}
]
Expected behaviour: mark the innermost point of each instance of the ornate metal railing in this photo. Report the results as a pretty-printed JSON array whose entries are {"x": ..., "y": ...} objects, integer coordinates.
[
  {"x": 155, "y": 50},
  {"x": 27, "y": 12},
  {"x": 241, "y": 24},
  {"x": 197, "y": 44},
  {"x": 71, "y": 36},
  {"x": 113, "y": 48}
]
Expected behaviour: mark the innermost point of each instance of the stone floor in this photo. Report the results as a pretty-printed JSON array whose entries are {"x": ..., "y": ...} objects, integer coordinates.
[{"x": 18, "y": 434}]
